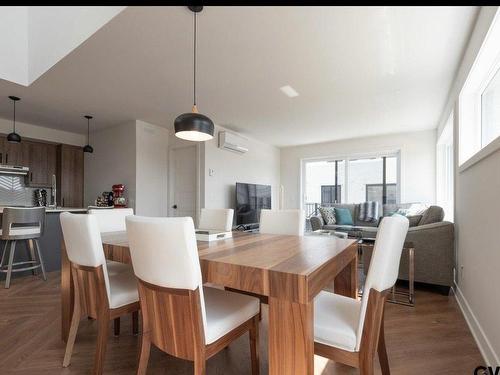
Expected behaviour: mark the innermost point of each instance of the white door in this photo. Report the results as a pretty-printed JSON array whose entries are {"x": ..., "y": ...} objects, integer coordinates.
[{"x": 183, "y": 182}]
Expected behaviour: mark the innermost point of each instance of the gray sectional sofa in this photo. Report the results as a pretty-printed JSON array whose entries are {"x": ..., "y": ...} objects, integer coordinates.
[{"x": 432, "y": 238}]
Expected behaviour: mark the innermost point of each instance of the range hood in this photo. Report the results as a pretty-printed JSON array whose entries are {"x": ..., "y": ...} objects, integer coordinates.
[{"x": 14, "y": 170}]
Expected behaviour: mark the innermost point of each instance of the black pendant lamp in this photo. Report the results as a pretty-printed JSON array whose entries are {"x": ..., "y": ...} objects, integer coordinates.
[
  {"x": 194, "y": 126},
  {"x": 88, "y": 148},
  {"x": 14, "y": 137}
]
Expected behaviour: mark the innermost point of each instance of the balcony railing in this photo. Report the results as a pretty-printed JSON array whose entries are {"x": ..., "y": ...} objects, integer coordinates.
[{"x": 311, "y": 209}]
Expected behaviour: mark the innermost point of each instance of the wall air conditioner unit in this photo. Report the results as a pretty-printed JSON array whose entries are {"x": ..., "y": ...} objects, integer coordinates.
[{"x": 232, "y": 142}]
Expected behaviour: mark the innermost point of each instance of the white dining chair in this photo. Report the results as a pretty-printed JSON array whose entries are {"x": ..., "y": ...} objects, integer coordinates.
[
  {"x": 349, "y": 331},
  {"x": 216, "y": 219},
  {"x": 179, "y": 316},
  {"x": 111, "y": 220},
  {"x": 98, "y": 294},
  {"x": 289, "y": 222}
]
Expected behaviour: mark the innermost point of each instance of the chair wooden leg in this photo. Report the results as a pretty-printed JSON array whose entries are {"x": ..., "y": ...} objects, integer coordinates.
[
  {"x": 254, "y": 345},
  {"x": 116, "y": 326},
  {"x": 144, "y": 354},
  {"x": 199, "y": 366},
  {"x": 366, "y": 366},
  {"x": 75, "y": 322},
  {"x": 102, "y": 341},
  {"x": 135, "y": 322},
  {"x": 382, "y": 351}
]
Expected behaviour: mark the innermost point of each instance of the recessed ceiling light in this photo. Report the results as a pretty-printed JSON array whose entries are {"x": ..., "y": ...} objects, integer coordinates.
[{"x": 289, "y": 91}]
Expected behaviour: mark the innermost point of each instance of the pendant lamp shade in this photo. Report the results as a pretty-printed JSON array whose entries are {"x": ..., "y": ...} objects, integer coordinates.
[
  {"x": 194, "y": 126},
  {"x": 14, "y": 137},
  {"x": 88, "y": 148}
]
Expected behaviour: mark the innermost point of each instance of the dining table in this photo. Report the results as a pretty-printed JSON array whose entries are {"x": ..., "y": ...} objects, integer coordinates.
[{"x": 287, "y": 270}]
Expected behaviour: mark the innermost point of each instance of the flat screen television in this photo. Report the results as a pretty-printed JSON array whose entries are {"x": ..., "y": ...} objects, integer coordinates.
[{"x": 250, "y": 199}]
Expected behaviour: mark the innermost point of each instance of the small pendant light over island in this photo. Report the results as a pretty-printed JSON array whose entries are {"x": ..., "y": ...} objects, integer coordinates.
[
  {"x": 14, "y": 137},
  {"x": 88, "y": 148}
]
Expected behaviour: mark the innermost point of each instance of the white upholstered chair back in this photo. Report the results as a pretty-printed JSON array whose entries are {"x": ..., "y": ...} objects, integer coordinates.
[
  {"x": 111, "y": 220},
  {"x": 216, "y": 219},
  {"x": 164, "y": 252},
  {"x": 384, "y": 265},
  {"x": 82, "y": 239},
  {"x": 282, "y": 222}
]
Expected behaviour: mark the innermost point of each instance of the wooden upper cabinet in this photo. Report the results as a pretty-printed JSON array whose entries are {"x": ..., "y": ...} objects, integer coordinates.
[
  {"x": 41, "y": 160},
  {"x": 69, "y": 176},
  {"x": 11, "y": 153}
]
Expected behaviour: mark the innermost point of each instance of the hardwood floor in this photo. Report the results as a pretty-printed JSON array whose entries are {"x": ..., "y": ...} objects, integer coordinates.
[{"x": 431, "y": 338}]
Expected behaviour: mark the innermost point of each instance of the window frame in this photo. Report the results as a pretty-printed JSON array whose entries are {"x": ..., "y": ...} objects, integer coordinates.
[
  {"x": 346, "y": 157},
  {"x": 486, "y": 65}
]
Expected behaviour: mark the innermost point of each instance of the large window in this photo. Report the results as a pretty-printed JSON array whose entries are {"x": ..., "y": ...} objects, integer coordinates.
[{"x": 351, "y": 180}]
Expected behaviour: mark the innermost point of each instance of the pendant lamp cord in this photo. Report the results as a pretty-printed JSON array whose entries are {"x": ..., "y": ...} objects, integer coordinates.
[
  {"x": 194, "y": 62},
  {"x": 88, "y": 131},
  {"x": 14, "y": 116}
]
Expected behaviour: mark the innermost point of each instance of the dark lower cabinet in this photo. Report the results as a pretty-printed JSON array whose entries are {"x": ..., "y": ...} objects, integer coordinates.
[{"x": 69, "y": 176}]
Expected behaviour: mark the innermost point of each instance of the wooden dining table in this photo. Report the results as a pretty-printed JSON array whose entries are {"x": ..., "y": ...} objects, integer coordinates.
[{"x": 289, "y": 270}]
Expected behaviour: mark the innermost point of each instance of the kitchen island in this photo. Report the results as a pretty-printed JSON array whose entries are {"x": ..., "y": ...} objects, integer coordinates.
[{"x": 50, "y": 242}]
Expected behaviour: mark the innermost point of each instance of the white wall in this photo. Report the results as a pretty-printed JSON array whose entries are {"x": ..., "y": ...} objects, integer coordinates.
[
  {"x": 34, "y": 38},
  {"x": 260, "y": 165},
  {"x": 133, "y": 154},
  {"x": 54, "y": 31},
  {"x": 476, "y": 220},
  {"x": 42, "y": 133},
  {"x": 14, "y": 44},
  {"x": 151, "y": 169},
  {"x": 418, "y": 162},
  {"x": 112, "y": 162}
]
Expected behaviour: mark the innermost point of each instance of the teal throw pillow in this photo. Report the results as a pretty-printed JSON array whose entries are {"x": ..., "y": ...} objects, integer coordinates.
[{"x": 343, "y": 216}]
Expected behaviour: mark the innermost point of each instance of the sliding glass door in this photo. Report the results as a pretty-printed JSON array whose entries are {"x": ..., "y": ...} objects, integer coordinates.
[{"x": 350, "y": 180}]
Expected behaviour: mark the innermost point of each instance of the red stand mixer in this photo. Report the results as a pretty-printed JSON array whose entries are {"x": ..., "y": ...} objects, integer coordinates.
[{"x": 118, "y": 198}]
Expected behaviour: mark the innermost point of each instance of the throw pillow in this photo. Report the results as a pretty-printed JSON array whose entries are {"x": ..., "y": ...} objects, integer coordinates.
[
  {"x": 343, "y": 216},
  {"x": 433, "y": 214},
  {"x": 368, "y": 212},
  {"x": 328, "y": 214},
  {"x": 414, "y": 220},
  {"x": 416, "y": 209}
]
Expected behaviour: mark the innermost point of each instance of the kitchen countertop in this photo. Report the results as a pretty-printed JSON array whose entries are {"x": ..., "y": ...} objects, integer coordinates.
[{"x": 56, "y": 209}]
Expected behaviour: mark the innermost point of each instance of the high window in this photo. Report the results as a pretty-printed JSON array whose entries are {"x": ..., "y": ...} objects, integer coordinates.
[{"x": 479, "y": 115}]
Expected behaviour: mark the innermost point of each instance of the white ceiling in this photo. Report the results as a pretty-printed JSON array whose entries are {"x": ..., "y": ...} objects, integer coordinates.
[{"x": 358, "y": 70}]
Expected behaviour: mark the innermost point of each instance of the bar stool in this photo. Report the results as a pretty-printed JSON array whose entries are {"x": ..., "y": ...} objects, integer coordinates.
[{"x": 22, "y": 224}]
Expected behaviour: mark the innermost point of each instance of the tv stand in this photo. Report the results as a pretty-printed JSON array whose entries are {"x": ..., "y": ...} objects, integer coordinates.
[{"x": 248, "y": 227}]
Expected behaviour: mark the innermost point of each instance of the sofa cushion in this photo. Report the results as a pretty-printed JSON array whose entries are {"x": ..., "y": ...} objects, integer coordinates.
[
  {"x": 414, "y": 220},
  {"x": 343, "y": 216},
  {"x": 433, "y": 214},
  {"x": 328, "y": 215}
]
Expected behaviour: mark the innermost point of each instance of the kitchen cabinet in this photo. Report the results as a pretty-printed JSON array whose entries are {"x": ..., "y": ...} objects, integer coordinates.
[
  {"x": 41, "y": 160},
  {"x": 11, "y": 153},
  {"x": 69, "y": 176}
]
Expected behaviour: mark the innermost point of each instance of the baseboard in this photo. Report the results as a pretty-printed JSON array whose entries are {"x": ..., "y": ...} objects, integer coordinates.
[{"x": 489, "y": 355}]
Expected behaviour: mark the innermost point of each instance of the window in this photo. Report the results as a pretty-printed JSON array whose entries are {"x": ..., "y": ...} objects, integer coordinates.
[
  {"x": 351, "y": 180},
  {"x": 444, "y": 170},
  {"x": 490, "y": 111},
  {"x": 374, "y": 192},
  {"x": 479, "y": 103},
  {"x": 331, "y": 194}
]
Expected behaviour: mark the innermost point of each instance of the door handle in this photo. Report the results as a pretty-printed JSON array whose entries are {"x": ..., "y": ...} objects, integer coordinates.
[
  {"x": 6, "y": 158},
  {"x": 1, "y": 158},
  {"x": 174, "y": 206}
]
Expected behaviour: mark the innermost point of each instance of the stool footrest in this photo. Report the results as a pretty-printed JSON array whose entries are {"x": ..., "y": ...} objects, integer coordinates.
[{"x": 20, "y": 269}]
